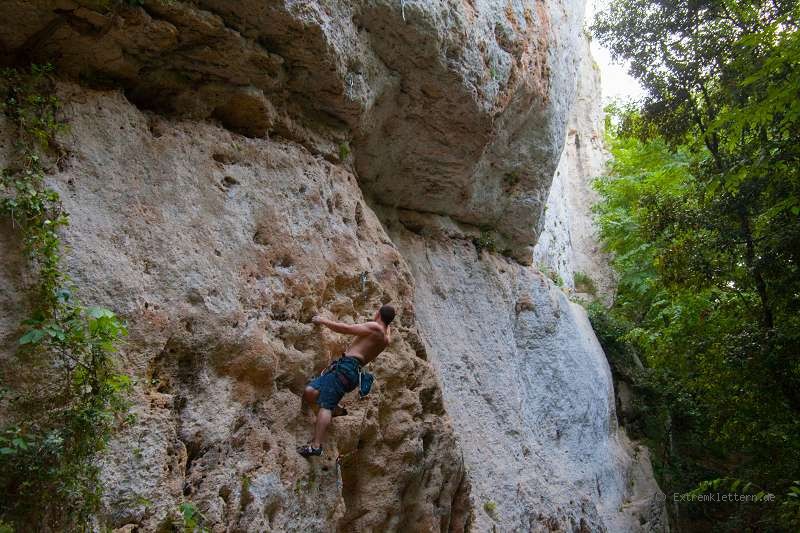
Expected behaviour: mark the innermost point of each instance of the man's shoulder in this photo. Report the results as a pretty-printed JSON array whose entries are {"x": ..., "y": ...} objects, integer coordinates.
[{"x": 373, "y": 326}]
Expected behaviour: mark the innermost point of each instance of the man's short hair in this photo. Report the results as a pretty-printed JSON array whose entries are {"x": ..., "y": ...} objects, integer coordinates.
[{"x": 387, "y": 314}]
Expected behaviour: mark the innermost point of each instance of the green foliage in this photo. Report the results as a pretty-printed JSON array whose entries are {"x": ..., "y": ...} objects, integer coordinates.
[
  {"x": 485, "y": 241},
  {"x": 790, "y": 507},
  {"x": 193, "y": 519},
  {"x": 66, "y": 393},
  {"x": 730, "y": 485},
  {"x": 511, "y": 180},
  {"x": 717, "y": 379},
  {"x": 344, "y": 150},
  {"x": 701, "y": 211},
  {"x": 656, "y": 393},
  {"x": 584, "y": 283},
  {"x": 554, "y": 276},
  {"x": 490, "y": 507}
]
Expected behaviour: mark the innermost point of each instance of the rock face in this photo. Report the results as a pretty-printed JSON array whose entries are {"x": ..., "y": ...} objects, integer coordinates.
[
  {"x": 528, "y": 388},
  {"x": 569, "y": 243},
  {"x": 235, "y": 167},
  {"x": 221, "y": 249},
  {"x": 450, "y": 107}
]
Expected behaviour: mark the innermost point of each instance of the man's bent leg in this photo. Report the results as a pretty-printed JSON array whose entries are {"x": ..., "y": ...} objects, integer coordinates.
[
  {"x": 325, "y": 391},
  {"x": 310, "y": 395},
  {"x": 323, "y": 420},
  {"x": 308, "y": 400}
]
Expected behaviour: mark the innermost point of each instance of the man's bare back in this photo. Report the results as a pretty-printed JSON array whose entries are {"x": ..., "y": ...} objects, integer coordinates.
[
  {"x": 368, "y": 347},
  {"x": 371, "y": 337}
]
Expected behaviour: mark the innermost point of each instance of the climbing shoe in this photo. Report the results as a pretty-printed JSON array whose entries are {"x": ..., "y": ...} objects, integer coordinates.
[
  {"x": 308, "y": 450},
  {"x": 339, "y": 411}
]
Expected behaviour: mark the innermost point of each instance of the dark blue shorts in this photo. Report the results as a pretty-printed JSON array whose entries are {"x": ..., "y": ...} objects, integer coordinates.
[{"x": 337, "y": 380}]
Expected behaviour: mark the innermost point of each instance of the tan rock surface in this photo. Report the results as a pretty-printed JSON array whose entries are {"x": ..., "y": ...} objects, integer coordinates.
[
  {"x": 450, "y": 107},
  {"x": 217, "y": 249}
]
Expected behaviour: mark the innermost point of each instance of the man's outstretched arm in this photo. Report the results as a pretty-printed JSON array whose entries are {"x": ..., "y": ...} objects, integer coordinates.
[{"x": 341, "y": 327}]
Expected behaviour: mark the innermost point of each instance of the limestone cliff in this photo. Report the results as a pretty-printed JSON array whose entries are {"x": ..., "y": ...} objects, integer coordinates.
[
  {"x": 234, "y": 167},
  {"x": 452, "y": 107},
  {"x": 569, "y": 243},
  {"x": 217, "y": 249}
]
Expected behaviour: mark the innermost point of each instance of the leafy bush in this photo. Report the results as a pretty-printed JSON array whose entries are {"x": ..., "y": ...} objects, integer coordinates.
[
  {"x": 66, "y": 393},
  {"x": 485, "y": 241},
  {"x": 702, "y": 212},
  {"x": 554, "y": 276},
  {"x": 583, "y": 283},
  {"x": 344, "y": 151},
  {"x": 193, "y": 519},
  {"x": 689, "y": 309}
]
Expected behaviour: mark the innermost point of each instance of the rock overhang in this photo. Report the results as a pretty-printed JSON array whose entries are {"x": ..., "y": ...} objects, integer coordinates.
[{"x": 453, "y": 108}]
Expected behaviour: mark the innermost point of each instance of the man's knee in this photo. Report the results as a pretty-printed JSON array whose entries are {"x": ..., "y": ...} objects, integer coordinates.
[{"x": 310, "y": 394}]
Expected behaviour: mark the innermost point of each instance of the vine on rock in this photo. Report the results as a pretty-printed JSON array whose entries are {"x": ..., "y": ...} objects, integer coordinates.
[{"x": 67, "y": 398}]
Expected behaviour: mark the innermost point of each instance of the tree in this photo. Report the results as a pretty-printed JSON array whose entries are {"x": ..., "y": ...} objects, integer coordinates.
[{"x": 702, "y": 210}]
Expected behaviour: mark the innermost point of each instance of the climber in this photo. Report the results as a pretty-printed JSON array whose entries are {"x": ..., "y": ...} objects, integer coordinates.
[{"x": 342, "y": 375}]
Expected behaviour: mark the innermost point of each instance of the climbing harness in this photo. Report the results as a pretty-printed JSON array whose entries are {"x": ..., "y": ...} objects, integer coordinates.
[{"x": 365, "y": 379}]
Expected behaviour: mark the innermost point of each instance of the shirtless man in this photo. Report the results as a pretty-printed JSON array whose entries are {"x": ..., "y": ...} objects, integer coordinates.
[{"x": 342, "y": 376}]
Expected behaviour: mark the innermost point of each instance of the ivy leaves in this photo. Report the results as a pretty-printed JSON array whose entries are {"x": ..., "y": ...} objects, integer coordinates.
[
  {"x": 92, "y": 328},
  {"x": 33, "y": 336},
  {"x": 49, "y": 466}
]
